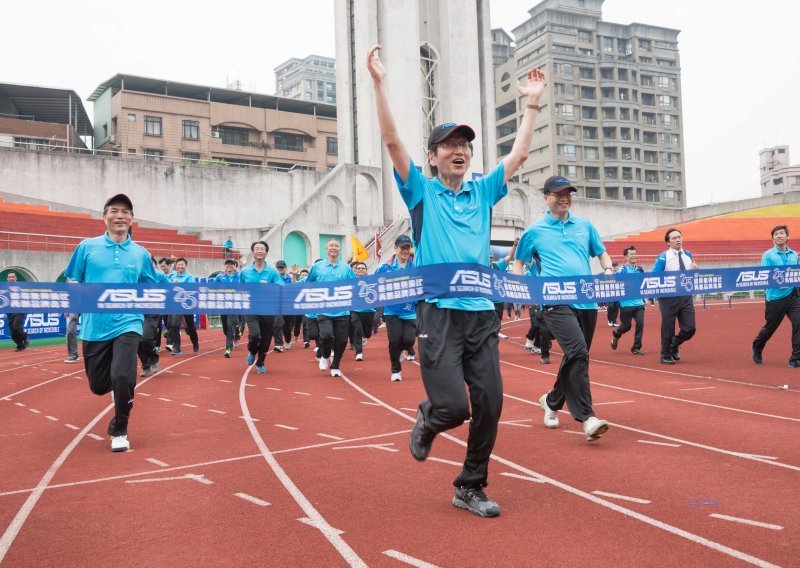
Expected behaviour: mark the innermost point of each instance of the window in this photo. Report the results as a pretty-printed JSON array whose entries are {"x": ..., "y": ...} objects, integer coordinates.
[
  {"x": 153, "y": 155},
  {"x": 607, "y": 93},
  {"x": 648, "y": 118},
  {"x": 588, "y": 93},
  {"x": 587, "y": 72},
  {"x": 650, "y": 157},
  {"x": 563, "y": 48},
  {"x": 233, "y": 135},
  {"x": 648, "y": 99},
  {"x": 105, "y": 130},
  {"x": 645, "y": 45},
  {"x": 624, "y": 95},
  {"x": 332, "y": 146},
  {"x": 566, "y": 150},
  {"x": 649, "y": 137},
  {"x": 566, "y": 70},
  {"x": 612, "y": 193},
  {"x": 565, "y": 89},
  {"x": 625, "y": 133},
  {"x": 627, "y": 193},
  {"x": 665, "y": 62},
  {"x": 589, "y": 133},
  {"x": 191, "y": 129},
  {"x": 591, "y": 173},
  {"x": 645, "y": 60},
  {"x": 610, "y": 172},
  {"x": 567, "y": 111},
  {"x": 665, "y": 101},
  {"x": 652, "y": 195},
  {"x": 590, "y": 153},
  {"x": 589, "y": 112},
  {"x": 592, "y": 193},
  {"x": 667, "y": 177},
  {"x": 506, "y": 130},
  {"x": 320, "y": 91},
  {"x": 610, "y": 132},
  {"x": 607, "y": 44},
  {"x": 606, "y": 73},
  {"x": 651, "y": 176},
  {"x": 666, "y": 120},
  {"x": 627, "y": 174},
  {"x": 624, "y": 114},
  {"x": 131, "y": 151},
  {"x": 152, "y": 125},
  {"x": 190, "y": 157},
  {"x": 565, "y": 129},
  {"x": 610, "y": 153},
  {"x": 666, "y": 83},
  {"x": 131, "y": 118},
  {"x": 609, "y": 113},
  {"x": 646, "y": 81},
  {"x": 622, "y": 74},
  {"x": 585, "y": 36},
  {"x": 584, "y": 51},
  {"x": 568, "y": 171},
  {"x": 330, "y": 92},
  {"x": 623, "y": 46},
  {"x": 286, "y": 141}
]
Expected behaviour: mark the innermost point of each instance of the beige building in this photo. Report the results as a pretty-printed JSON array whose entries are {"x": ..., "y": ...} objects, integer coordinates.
[
  {"x": 611, "y": 118},
  {"x": 777, "y": 175},
  {"x": 153, "y": 119},
  {"x": 309, "y": 79}
]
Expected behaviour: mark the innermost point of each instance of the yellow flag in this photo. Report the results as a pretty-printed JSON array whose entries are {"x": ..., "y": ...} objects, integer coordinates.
[{"x": 360, "y": 253}]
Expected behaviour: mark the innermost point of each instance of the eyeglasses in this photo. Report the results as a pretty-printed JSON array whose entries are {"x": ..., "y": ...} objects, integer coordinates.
[{"x": 463, "y": 146}]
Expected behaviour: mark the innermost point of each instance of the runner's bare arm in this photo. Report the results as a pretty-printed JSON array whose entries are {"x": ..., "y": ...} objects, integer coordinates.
[{"x": 533, "y": 90}]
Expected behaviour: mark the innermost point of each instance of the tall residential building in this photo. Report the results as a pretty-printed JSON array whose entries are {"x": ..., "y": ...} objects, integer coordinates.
[
  {"x": 611, "y": 118},
  {"x": 309, "y": 79},
  {"x": 777, "y": 176},
  {"x": 154, "y": 119}
]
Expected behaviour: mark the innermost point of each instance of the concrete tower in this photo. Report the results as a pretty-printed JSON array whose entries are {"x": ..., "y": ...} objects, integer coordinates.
[{"x": 439, "y": 69}]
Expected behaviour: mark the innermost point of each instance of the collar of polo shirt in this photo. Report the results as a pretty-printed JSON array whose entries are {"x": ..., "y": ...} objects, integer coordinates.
[
  {"x": 111, "y": 242},
  {"x": 442, "y": 188},
  {"x": 552, "y": 219}
]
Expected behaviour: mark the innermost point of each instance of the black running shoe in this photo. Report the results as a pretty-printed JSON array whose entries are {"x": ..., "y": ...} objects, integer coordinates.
[
  {"x": 676, "y": 354},
  {"x": 421, "y": 438},
  {"x": 475, "y": 501},
  {"x": 794, "y": 363},
  {"x": 757, "y": 359}
]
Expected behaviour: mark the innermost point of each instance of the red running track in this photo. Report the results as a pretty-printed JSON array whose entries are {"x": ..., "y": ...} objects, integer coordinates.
[{"x": 295, "y": 468}]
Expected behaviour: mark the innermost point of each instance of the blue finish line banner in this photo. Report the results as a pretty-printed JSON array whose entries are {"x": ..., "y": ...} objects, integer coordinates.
[{"x": 412, "y": 285}]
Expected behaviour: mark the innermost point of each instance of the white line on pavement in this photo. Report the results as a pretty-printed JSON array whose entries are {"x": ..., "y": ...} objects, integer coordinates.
[
  {"x": 622, "y": 497},
  {"x": 747, "y": 522}
]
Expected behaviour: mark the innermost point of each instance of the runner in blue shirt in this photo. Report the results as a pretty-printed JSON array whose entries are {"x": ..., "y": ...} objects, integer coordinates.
[
  {"x": 110, "y": 341},
  {"x": 360, "y": 320},
  {"x": 284, "y": 323},
  {"x": 181, "y": 276},
  {"x": 630, "y": 309},
  {"x": 151, "y": 332},
  {"x": 451, "y": 221},
  {"x": 333, "y": 325},
  {"x": 564, "y": 244},
  {"x": 260, "y": 328},
  {"x": 780, "y": 302},
  {"x": 229, "y": 322},
  {"x": 401, "y": 319}
]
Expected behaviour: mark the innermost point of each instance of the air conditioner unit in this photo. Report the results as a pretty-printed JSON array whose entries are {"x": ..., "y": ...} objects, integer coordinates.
[{"x": 214, "y": 134}]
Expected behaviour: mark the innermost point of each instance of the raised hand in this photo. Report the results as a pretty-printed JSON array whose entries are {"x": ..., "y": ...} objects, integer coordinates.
[
  {"x": 535, "y": 85},
  {"x": 374, "y": 63}
]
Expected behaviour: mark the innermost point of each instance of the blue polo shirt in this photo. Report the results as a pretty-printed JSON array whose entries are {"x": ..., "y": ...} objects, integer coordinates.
[
  {"x": 564, "y": 247},
  {"x": 774, "y": 257},
  {"x": 452, "y": 227},
  {"x": 224, "y": 278},
  {"x": 404, "y": 311},
  {"x": 325, "y": 271},
  {"x": 628, "y": 269},
  {"x": 182, "y": 278},
  {"x": 266, "y": 274},
  {"x": 101, "y": 260}
]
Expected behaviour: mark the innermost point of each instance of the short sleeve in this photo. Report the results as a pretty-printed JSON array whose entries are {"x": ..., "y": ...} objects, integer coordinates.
[
  {"x": 413, "y": 189},
  {"x": 492, "y": 186},
  {"x": 76, "y": 269},
  {"x": 526, "y": 247},
  {"x": 148, "y": 273},
  {"x": 596, "y": 246}
]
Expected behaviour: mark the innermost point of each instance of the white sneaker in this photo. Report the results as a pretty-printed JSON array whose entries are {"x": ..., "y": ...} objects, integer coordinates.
[
  {"x": 403, "y": 356},
  {"x": 502, "y": 336},
  {"x": 593, "y": 427},
  {"x": 359, "y": 357},
  {"x": 410, "y": 357},
  {"x": 537, "y": 351},
  {"x": 316, "y": 352},
  {"x": 336, "y": 373},
  {"x": 529, "y": 345},
  {"x": 611, "y": 324},
  {"x": 396, "y": 377},
  {"x": 278, "y": 348},
  {"x": 364, "y": 342},
  {"x": 323, "y": 364},
  {"x": 287, "y": 346},
  {"x": 550, "y": 416},
  {"x": 120, "y": 443}
]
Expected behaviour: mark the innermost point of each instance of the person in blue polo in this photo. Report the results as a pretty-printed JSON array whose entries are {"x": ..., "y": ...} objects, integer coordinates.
[
  {"x": 151, "y": 332},
  {"x": 360, "y": 320},
  {"x": 780, "y": 302},
  {"x": 182, "y": 276},
  {"x": 630, "y": 310},
  {"x": 259, "y": 328},
  {"x": 229, "y": 322},
  {"x": 111, "y": 340},
  {"x": 333, "y": 325},
  {"x": 451, "y": 221},
  {"x": 564, "y": 244}
]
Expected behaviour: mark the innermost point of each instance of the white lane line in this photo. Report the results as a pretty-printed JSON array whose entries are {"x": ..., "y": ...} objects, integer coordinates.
[
  {"x": 442, "y": 460},
  {"x": 188, "y": 405},
  {"x": 95, "y": 437},
  {"x": 157, "y": 462},
  {"x": 523, "y": 477},
  {"x": 165, "y": 399},
  {"x": 408, "y": 559},
  {"x": 199, "y": 478},
  {"x": 35, "y": 411},
  {"x": 142, "y": 394},
  {"x": 207, "y": 378},
  {"x": 330, "y": 436},
  {"x": 370, "y": 446},
  {"x": 215, "y": 411},
  {"x": 302, "y": 393},
  {"x": 370, "y": 403},
  {"x": 515, "y": 423},
  {"x": 747, "y": 522},
  {"x": 53, "y": 418},
  {"x": 616, "y": 402},
  {"x": 325, "y": 529},
  {"x": 272, "y": 389},
  {"x": 186, "y": 374},
  {"x": 253, "y": 419},
  {"x": 251, "y": 499},
  {"x": 698, "y": 389},
  {"x": 621, "y": 497},
  {"x": 659, "y": 443},
  {"x": 334, "y": 398},
  {"x": 409, "y": 409},
  {"x": 225, "y": 381},
  {"x": 285, "y": 427},
  {"x": 20, "y": 404},
  {"x": 574, "y": 432},
  {"x": 71, "y": 426},
  {"x": 249, "y": 385}
]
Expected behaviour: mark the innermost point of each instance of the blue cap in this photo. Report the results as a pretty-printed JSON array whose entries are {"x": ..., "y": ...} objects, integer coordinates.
[{"x": 402, "y": 240}]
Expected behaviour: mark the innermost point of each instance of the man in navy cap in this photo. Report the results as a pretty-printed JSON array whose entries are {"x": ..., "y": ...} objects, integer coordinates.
[{"x": 457, "y": 338}]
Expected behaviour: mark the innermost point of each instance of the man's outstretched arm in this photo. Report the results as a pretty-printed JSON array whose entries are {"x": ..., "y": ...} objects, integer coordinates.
[{"x": 522, "y": 143}]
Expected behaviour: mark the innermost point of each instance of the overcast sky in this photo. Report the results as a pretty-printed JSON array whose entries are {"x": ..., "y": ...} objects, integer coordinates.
[{"x": 739, "y": 60}]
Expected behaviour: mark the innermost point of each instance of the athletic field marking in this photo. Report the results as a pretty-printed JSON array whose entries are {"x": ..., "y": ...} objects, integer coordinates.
[
  {"x": 19, "y": 404},
  {"x": 755, "y": 456},
  {"x": 370, "y": 446},
  {"x": 330, "y": 436},
  {"x": 204, "y": 377},
  {"x": 285, "y": 427},
  {"x": 574, "y": 432},
  {"x": 143, "y": 394},
  {"x": 251, "y": 499},
  {"x": 442, "y": 460},
  {"x": 225, "y": 381},
  {"x": 25, "y": 510},
  {"x": 188, "y": 405},
  {"x": 697, "y": 539},
  {"x": 71, "y": 426},
  {"x": 199, "y": 478},
  {"x": 157, "y": 462},
  {"x": 369, "y": 403},
  {"x": 616, "y": 402},
  {"x": 408, "y": 559},
  {"x": 53, "y": 418},
  {"x": 35, "y": 411},
  {"x": 746, "y": 522},
  {"x": 334, "y": 398},
  {"x": 272, "y": 389},
  {"x": 253, "y": 419},
  {"x": 697, "y": 389},
  {"x": 95, "y": 437},
  {"x": 165, "y": 399},
  {"x": 186, "y": 374},
  {"x": 516, "y": 423},
  {"x": 248, "y": 384},
  {"x": 409, "y": 409},
  {"x": 215, "y": 411},
  {"x": 313, "y": 517},
  {"x": 523, "y": 477},
  {"x": 659, "y": 443},
  {"x": 621, "y": 497},
  {"x": 302, "y": 393},
  {"x": 31, "y": 365}
]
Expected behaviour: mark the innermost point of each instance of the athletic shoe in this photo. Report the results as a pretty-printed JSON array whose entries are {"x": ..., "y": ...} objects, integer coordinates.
[
  {"x": 261, "y": 369},
  {"x": 235, "y": 344},
  {"x": 154, "y": 369},
  {"x": 611, "y": 324},
  {"x": 794, "y": 363},
  {"x": 145, "y": 373},
  {"x": 278, "y": 348},
  {"x": 396, "y": 377},
  {"x": 475, "y": 501},
  {"x": 120, "y": 443},
  {"x": 228, "y": 353},
  {"x": 323, "y": 364},
  {"x": 676, "y": 354},
  {"x": 306, "y": 344},
  {"x": 502, "y": 336},
  {"x": 614, "y": 342},
  {"x": 403, "y": 356},
  {"x": 169, "y": 347},
  {"x": 550, "y": 415},
  {"x": 537, "y": 350},
  {"x": 336, "y": 373},
  {"x": 545, "y": 360},
  {"x": 421, "y": 438},
  {"x": 196, "y": 347},
  {"x": 176, "y": 353},
  {"x": 616, "y": 324},
  {"x": 364, "y": 342},
  {"x": 757, "y": 357},
  {"x": 411, "y": 357},
  {"x": 316, "y": 352},
  {"x": 287, "y": 346},
  {"x": 593, "y": 427},
  {"x": 667, "y": 361},
  {"x": 637, "y": 352},
  {"x": 359, "y": 357},
  {"x": 157, "y": 349},
  {"x": 19, "y": 348},
  {"x": 71, "y": 359},
  {"x": 528, "y": 345},
  {"x": 250, "y": 359}
]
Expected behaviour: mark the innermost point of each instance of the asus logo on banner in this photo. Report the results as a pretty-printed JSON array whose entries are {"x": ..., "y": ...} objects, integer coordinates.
[
  {"x": 559, "y": 288},
  {"x": 337, "y": 294},
  {"x": 471, "y": 278},
  {"x": 760, "y": 276},
  {"x": 658, "y": 283},
  {"x": 133, "y": 296}
]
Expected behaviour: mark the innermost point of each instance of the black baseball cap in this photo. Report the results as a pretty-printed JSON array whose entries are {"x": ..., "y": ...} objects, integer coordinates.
[
  {"x": 554, "y": 184},
  {"x": 280, "y": 264},
  {"x": 402, "y": 240},
  {"x": 120, "y": 198},
  {"x": 230, "y": 261},
  {"x": 446, "y": 130}
]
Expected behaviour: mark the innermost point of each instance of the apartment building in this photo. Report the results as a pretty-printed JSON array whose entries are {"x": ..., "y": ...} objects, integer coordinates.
[
  {"x": 777, "y": 175},
  {"x": 310, "y": 79},
  {"x": 611, "y": 116},
  {"x": 153, "y": 119}
]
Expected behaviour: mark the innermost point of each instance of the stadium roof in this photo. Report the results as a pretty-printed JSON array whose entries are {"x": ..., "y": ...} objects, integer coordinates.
[
  {"x": 212, "y": 94},
  {"x": 47, "y": 104}
]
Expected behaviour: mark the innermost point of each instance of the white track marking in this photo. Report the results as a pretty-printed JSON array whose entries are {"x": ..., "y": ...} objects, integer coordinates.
[
  {"x": 514, "y": 423},
  {"x": 322, "y": 528},
  {"x": 253, "y": 419},
  {"x": 35, "y": 411},
  {"x": 53, "y": 418},
  {"x": 215, "y": 411},
  {"x": 25, "y": 510},
  {"x": 157, "y": 462},
  {"x": 334, "y": 398},
  {"x": 697, "y": 389},
  {"x": 330, "y": 436},
  {"x": 21, "y": 405},
  {"x": 225, "y": 381},
  {"x": 523, "y": 477},
  {"x": 192, "y": 476},
  {"x": 272, "y": 389},
  {"x": 251, "y": 499},
  {"x": 95, "y": 437},
  {"x": 165, "y": 399},
  {"x": 408, "y": 559},
  {"x": 188, "y": 405},
  {"x": 186, "y": 374},
  {"x": 314, "y": 517},
  {"x": 621, "y": 497},
  {"x": 697, "y": 539},
  {"x": 617, "y": 402},
  {"x": 284, "y": 426},
  {"x": 370, "y": 446},
  {"x": 409, "y": 409},
  {"x": 30, "y": 365},
  {"x": 71, "y": 426},
  {"x": 302, "y": 393},
  {"x": 143, "y": 394},
  {"x": 370, "y": 403},
  {"x": 746, "y": 522},
  {"x": 442, "y": 460},
  {"x": 659, "y": 443}
]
